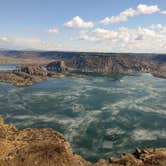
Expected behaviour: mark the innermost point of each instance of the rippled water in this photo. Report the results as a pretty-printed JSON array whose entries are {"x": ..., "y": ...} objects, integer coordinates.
[{"x": 100, "y": 116}]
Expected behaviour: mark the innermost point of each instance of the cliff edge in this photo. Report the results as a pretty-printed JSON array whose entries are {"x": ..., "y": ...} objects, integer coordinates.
[{"x": 46, "y": 147}]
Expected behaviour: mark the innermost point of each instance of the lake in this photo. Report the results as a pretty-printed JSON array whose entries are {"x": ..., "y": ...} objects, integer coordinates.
[{"x": 99, "y": 116}]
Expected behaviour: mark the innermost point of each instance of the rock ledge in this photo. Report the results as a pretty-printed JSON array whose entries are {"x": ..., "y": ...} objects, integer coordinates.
[{"x": 46, "y": 147}]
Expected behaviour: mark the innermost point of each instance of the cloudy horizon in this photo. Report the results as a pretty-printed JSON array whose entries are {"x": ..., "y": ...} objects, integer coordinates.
[{"x": 106, "y": 26}]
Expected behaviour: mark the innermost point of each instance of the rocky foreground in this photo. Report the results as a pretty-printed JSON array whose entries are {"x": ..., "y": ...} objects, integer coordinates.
[{"x": 46, "y": 147}]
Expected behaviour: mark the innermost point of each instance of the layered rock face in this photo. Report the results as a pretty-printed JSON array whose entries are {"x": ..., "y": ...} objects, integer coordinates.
[
  {"x": 46, "y": 147},
  {"x": 109, "y": 64},
  {"x": 57, "y": 66},
  {"x": 103, "y": 63}
]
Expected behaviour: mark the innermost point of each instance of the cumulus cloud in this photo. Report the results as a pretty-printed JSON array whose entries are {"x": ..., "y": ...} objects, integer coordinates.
[
  {"x": 78, "y": 22},
  {"x": 125, "y": 15},
  {"x": 149, "y": 39},
  {"x": 98, "y": 34},
  {"x": 128, "y": 39},
  {"x": 53, "y": 30},
  {"x": 107, "y": 34},
  {"x": 123, "y": 34},
  {"x": 156, "y": 26},
  {"x": 145, "y": 9},
  {"x": 159, "y": 29}
]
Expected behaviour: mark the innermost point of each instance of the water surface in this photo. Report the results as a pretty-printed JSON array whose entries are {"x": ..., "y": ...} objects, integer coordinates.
[{"x": 99, "y": 116}]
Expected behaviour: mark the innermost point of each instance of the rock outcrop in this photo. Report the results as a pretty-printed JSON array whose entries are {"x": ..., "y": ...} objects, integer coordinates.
[
  {"x": 145, "y": 157},
  {"x": 24, "y": 75},
  {"x": 46, "y": 147},
  {"x": 41, "y": 147},
  {"x": 80, "y": 64},
  {"x": 57, "y": 66},
  {"x": 32, "y": 70},
  {"x": 109, "y": 64}
]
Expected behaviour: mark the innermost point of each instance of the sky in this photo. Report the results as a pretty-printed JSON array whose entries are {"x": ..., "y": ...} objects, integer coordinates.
[{"x": 88, "y": 25}]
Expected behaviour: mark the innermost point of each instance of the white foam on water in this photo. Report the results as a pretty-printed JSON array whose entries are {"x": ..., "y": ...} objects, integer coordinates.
[
  {"x": 107, "y": 145},
  {"x": 148, "y": 135},
  {"x": 112, "y": 131},
  {"x": 147, "y": 109}
]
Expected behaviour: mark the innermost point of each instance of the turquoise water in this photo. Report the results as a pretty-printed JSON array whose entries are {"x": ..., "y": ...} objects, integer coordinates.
[{"x": 99, "y": 116}]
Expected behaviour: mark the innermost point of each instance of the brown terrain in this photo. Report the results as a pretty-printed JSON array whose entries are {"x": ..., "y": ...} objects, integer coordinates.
[
  {"x": 23, "y": 57},
  {"x": 24, "y": 76},
  {"x": 78, "y": 63},
  {"x": 25, "y": 60},
  {"x": 46, "y": 147}
]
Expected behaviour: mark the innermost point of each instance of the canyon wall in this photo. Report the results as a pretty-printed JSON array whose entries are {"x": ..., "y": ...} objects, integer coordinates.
[
  {"x": 112, "y": 63},
  {"x": 103, "y": 63}
]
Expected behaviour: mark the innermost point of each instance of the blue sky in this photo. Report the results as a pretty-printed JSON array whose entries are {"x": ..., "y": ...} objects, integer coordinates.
[{"x": 82, "y": 25}]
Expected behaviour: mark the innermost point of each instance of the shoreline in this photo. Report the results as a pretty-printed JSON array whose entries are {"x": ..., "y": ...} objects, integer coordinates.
[
  {"x": 22, "y": 79},
  {"x": 33, "y": 146}
]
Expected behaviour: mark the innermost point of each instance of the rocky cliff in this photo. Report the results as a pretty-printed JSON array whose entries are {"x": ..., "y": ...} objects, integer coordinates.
[
  {"x": 41, "y": 147},
  {"x": 84, "y": 62},
  {"x": 109, "y": 64},
  {"x": 46, "y": 147},
  {"x": 90, "y": 62}
]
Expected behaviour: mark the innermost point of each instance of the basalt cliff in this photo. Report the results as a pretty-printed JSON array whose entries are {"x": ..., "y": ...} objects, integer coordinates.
[{"x": 46, "y": 147}]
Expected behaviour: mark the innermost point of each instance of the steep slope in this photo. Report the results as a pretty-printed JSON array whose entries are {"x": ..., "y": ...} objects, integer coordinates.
[
  {"x": 106, "y": 64},
  {"x": 46, "y": 147},
  {"x": 35, "y": 147}
]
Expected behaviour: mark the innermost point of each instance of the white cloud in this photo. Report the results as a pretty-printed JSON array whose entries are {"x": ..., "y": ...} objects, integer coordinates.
[
  {"x": 4, "y": 39},
  {"x": 145, "y": 9},
  {"x": 107, "y": 34},
  {"x": 78, "y": 22},
  {"x": 98, "y": 34},
  {"x": 163, "y": 12},
  {"x": 156, "y": 26},
  {"x": 53, "y": 30},
  {"x": 159, "y": 28},
  {"x": 125, "y": 15},
  {"x": 149, "y": 39}
]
